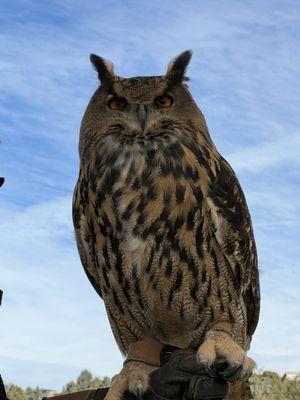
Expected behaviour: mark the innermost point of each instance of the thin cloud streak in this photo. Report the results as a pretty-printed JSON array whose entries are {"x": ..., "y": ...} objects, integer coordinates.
[{"x": 267, "y": 154}]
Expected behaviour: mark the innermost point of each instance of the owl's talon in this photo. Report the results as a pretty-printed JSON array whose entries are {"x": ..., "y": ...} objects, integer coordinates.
[
  {"x": 247, "y": 368},
  {"x": 134, "y": 378},
  {"x": 222, "y": 357},
  {"x": 221, "y": 368}
]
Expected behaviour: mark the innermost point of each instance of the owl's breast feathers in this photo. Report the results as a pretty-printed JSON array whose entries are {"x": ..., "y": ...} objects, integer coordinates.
[{"x": 165, "y": 237}]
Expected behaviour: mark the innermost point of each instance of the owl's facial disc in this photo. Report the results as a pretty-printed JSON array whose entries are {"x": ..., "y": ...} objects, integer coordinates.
[{"x": 140, "y": 116}]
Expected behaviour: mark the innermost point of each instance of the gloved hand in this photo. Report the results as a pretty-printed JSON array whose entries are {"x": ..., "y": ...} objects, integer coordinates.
[{"x": 181, "y": 377}]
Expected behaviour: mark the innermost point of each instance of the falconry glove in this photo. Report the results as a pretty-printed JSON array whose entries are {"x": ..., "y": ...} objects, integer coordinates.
[{"x": 181, "y": 377}]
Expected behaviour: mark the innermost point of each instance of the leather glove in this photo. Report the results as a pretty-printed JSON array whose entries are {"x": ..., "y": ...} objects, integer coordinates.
[{"x": 182, "y": 377}]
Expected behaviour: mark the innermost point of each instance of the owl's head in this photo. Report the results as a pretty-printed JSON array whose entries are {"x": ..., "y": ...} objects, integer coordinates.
[{"x": 140, "y": 109}]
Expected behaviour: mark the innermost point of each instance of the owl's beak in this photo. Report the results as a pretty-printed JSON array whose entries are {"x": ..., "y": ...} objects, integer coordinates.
[{"x": 142, "y": 115}]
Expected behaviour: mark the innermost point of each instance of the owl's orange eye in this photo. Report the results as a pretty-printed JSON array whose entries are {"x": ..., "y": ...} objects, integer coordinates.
[
  {"x": 117, "y": 103},
  {"x": 164, "y": 101}
]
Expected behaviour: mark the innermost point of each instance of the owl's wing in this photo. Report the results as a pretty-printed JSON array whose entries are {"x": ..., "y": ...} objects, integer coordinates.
[{"x": 239, "y": 244}]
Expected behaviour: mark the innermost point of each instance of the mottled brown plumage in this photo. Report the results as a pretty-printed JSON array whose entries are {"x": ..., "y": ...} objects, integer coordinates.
[{"x": 162, "y": 226}]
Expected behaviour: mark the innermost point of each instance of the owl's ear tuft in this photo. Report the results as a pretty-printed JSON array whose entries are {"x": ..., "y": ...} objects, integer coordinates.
[
  {"x": 177, "y": 68},
  {"x": 104, "y": 68}
]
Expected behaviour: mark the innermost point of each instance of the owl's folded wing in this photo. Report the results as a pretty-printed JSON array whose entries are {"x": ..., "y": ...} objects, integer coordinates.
[{"x": 240, "y": 248}]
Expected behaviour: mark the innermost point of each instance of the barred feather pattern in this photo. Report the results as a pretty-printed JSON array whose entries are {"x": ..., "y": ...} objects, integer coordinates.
[{"x": 165, "y": 236}]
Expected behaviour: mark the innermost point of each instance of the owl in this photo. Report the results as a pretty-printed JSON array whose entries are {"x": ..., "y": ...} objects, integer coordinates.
[{"x": 163, "y": 229}]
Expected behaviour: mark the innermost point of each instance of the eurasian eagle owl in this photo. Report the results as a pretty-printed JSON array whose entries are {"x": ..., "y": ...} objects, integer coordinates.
[{"x": 162, "y": 226}]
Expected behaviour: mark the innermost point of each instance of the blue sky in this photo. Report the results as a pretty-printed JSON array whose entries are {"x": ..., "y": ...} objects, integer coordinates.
[{"x": 245, "y": 77}]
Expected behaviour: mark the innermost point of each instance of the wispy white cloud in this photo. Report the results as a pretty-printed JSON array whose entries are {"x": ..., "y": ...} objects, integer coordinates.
[{"x": 284, "y": 148}]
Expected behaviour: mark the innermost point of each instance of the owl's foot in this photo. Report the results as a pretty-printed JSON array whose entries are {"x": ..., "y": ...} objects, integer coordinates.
[
  {"x": 223, "y": 357},
  {"x": 134, "y": 378}
]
